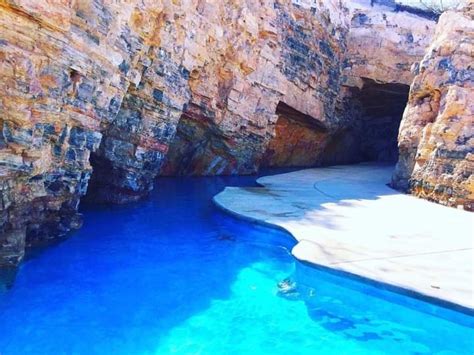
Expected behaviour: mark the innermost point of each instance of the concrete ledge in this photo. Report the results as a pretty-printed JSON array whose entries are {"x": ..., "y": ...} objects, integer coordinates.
[{"x": 345, "y": 218}]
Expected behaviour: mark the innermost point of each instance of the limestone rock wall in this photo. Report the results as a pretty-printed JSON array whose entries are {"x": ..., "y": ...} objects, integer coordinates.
[
  {"x": 67, "y": 69},
  {"x": 272, "y": 52},
  {"x": 436, "y": 139},
  {"x": 383, "y": 42},
  {"x": 60, "y": 81},
  {"x": 136, "y": 140},
  {"x": 114, "y": 89}
]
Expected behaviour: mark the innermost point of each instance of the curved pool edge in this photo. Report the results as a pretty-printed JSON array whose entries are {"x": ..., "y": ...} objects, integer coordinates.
[
  {"x": 251, "y": 219},
  {"x": 406, "y": 292}
]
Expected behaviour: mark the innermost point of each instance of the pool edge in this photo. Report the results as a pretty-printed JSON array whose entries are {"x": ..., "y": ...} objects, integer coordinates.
[{"x": 448, "y": 305}]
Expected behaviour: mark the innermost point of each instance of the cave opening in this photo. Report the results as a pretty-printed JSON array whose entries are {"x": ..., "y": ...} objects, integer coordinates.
[
  {"x": 381, "y": 111},
  {"x": 371, "y": 119},
  {"x": 298, "y": 141}
]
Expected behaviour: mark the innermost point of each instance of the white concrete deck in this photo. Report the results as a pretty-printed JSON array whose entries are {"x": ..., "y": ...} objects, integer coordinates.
[{"x": 346, "y": 218}]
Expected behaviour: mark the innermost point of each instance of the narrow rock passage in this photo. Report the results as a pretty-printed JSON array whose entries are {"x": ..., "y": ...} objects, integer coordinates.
[{"x": 347, "y": 218}]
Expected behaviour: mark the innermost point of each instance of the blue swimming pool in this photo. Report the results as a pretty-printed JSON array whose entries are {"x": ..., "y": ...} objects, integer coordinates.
[{"x": 175, "y": 275}]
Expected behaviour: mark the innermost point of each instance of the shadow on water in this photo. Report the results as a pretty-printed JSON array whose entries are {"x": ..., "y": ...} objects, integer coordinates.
[{"x": 7, "y": 278}]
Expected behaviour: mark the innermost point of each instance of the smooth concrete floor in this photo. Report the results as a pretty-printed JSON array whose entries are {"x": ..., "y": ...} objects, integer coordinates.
[{"x": 347, "y": 218}]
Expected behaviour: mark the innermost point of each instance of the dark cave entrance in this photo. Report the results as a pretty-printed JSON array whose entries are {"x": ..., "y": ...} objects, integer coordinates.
[
  {"x": 372, "y": 117},
  {"x": 298, "y": 142},
  {"x": 381, "y": 111}
]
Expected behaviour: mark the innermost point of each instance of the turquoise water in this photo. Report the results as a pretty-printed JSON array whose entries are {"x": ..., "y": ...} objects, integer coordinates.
[{"x": 175, "y": 275}]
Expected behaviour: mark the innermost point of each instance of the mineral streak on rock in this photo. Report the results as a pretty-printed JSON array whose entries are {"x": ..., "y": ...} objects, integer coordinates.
[
  {"x": 115, "y": 92},
  {"x": 436, "y": 139}
]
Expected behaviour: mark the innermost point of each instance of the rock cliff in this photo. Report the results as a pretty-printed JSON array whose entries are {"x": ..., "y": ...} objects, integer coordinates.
[
  {"x": 436, "y": 139},
  {"x": 101, "y": 96}
]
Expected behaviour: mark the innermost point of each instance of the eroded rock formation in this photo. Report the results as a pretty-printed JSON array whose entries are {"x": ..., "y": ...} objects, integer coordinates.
[
  {"x": 280, "y": 53},
  {"x": 436, "y": 138},
  {"x": 60, "y": 78},
  {"x": 116, "y": 90}
]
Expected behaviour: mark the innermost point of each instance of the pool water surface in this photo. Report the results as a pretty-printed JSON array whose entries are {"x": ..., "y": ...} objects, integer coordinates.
[{"x": 173, "y": 274}]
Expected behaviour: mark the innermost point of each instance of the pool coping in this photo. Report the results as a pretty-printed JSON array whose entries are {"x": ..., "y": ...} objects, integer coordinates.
[{"x": 404, "y": 291}]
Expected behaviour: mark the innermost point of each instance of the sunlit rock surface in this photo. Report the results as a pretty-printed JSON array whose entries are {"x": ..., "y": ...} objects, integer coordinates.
[
  {"x": 267, "y": 52},
  {"x": 436, "y": 138},
  {"x": 383, "y": 43}
]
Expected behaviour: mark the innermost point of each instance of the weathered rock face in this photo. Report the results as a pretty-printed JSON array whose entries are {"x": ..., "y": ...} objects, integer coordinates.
[
  {"x": 57, "y": 83},
  {"x": 436, "y": 138},
  {"x": 137, "y": 139},
  {"x": 66, "y": 68},
  {"x": 383, "y": 42},
  {"x": 309, "y": 68},
  {"x": 278, "y": 53},
  {"x": 299, "y": 140},
  {"x": 113, "y": 90}
]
